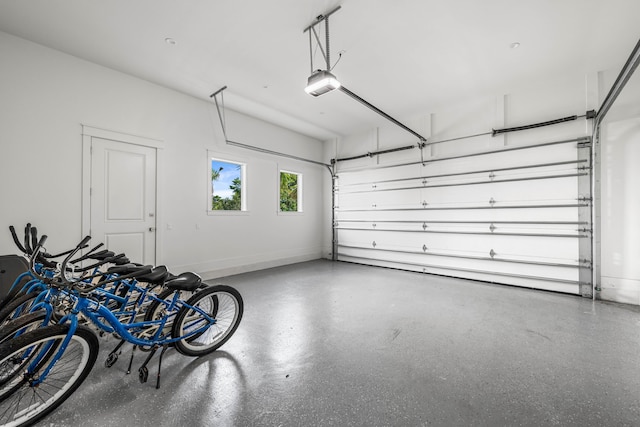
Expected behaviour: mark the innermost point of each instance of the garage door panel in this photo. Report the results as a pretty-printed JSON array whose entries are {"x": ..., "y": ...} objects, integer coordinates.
[
  {"x": 531, "y": 249},
  {"x": 519, "y": 214}
]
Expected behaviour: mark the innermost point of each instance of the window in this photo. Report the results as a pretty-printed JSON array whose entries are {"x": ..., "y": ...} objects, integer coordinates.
[
  {"x": 227, "y": 186},
  {"x": 290, "y": 192}
]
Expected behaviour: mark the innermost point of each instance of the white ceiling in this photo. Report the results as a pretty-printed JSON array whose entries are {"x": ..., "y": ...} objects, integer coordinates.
[{"x": 404, "y": 56}]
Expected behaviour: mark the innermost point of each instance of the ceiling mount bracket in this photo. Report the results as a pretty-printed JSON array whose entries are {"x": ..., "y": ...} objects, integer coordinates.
[
  {"x": 221, "y": 115},
  {"x": 322, "y": 81}
]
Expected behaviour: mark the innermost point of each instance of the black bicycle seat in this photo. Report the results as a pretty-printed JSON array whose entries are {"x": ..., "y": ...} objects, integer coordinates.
[
  {"x": 129, "y": 269},
  {"x": 157, "y": 276},
  {"x": 184, "y": 282},
  {"x": 102, "y": 255}
]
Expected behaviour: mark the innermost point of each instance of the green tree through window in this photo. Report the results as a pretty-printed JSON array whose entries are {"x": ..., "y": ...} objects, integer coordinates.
[
  {"x": 289, "y": 196},
  {"x": 226, "y": 186}
]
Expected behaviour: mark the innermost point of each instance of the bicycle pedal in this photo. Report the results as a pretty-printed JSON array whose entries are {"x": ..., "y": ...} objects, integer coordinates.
[
  {"x": 143, "y": 374},
  {"x": 112, "y": 358}
]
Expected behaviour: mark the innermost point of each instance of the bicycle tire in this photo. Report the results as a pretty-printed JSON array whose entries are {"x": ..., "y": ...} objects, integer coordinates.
[
  {"x": 22, "y": 403},
  {"x": 155, "y": 311},
  {"x": 18, "y": 306},
  {"x": 155, "y": 308},
  {"x": 22, "y": 324},
  {"x": 15, "y": 291},
  {"x": 221, "y": 302}
]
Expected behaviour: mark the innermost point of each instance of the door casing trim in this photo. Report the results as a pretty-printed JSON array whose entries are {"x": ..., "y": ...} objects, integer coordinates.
[{"x": 90, "y": 132}]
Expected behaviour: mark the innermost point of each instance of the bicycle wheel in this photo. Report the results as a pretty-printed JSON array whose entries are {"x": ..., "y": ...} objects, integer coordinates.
[
  {"x": 157, "y": 310},
  {"x": 18, "y": 306},
  {"x": 22, "y": 402},
  {"x": 22, "y": 324},
  {"x": 221, "y": 303},
  {"x": 15, "y": 292}
]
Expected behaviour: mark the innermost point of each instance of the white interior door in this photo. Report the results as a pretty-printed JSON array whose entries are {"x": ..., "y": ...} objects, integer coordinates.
[{"x": 123, "y": 198}]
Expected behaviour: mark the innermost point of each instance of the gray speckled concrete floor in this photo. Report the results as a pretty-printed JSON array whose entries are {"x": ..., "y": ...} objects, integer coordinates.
[{"x": 335, "y": 344}]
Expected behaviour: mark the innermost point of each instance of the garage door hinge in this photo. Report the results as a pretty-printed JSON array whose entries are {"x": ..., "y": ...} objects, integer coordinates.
[{"x": 584, "y": 141}]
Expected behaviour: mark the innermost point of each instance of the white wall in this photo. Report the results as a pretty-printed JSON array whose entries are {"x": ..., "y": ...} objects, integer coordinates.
[
  {"x": 45, "y": 97},
  {"x": 619, "y": 183},
  {"x": 542, "y": 100}
]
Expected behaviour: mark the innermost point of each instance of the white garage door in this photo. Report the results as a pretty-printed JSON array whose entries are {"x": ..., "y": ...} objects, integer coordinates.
[{"x": 518, "y": 216}]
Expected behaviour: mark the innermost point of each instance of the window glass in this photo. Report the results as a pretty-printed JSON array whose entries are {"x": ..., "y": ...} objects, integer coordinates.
[
  {"x": 290, "y": 192},
  {"x": 227, "y": 184}
]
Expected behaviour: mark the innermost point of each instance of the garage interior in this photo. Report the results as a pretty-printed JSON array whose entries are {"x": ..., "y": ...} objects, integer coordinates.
[{"x": 463, "y": 247}]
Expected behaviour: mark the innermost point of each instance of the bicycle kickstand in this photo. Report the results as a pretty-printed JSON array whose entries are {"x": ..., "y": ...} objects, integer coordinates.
[
  {"x": 164, "y": 348},
  {"x": 133, "y": 351}
]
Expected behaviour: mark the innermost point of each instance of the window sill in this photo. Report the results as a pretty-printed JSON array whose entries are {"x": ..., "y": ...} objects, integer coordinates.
[
  {"x": 285, "y": 213},
  {"x": 228, "y": 213}
]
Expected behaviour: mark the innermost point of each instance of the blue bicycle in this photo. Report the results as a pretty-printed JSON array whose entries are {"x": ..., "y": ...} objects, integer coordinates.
[{"x": 41, "y": 366}]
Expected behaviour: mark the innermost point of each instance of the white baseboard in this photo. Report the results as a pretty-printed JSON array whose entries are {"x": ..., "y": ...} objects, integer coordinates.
[{"x": 231, "y": 266}]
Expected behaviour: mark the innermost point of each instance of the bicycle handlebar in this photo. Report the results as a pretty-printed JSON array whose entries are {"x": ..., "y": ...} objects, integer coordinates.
[
  {"x": 108, "y": 260},
  {"x": 88, "y": 254},
  {"x": 34, "y": 237},
  {"x": 63, "y": 267},
  {"x": 27, "y": 233},
  {"x": 80, "y": 284},
  {"x": 16, "y": 240},
  {"x": 34, "y": 256}
]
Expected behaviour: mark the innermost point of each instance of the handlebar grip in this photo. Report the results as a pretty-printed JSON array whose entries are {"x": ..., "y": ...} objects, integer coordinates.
[
  {"x": 84, "y": 241},
  {"x": 27, "y": 232},
  {"x": 88, "y": 254},
  {"x": 16, "y": 240},
  {"x": 42, "y": 240},
  {"x": 34, "y": 237}
]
